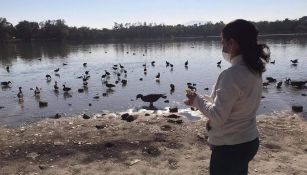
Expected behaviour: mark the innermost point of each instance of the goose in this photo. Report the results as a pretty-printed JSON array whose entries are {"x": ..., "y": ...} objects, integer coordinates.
[
  {"x": 66, "y": 89},
  {"x": 279, "y": 84},
  {"x": 8, "y": 68},
  {"x": 39, "y": 59},
  {"x": 171, "y": 65},
  {"x": 158, "y": 76},
  {"x": 109, "y": 85},
  {"x": 271, "y": 79},
  {"x": 145, "y": 70},
  {"x": 103, "y": 76},
  {"x": 114, "y": 68},
  {"x": 36, "y": 91},
  {"x": 172, "y": 87},
  {"x": 219, "y": 63},
  {"x": 121, "y": 66},
  {"x": 84, "y": 64},
  {"x": 294, "y": 61},
  {"x": 48, "y": 77},
  {"x": 64, "y": 64},
  {"x": 124, "y": 82},
  {"x": 153, "y": 63},
  {"x": 272, "y": 62},
  {"x": 107, "y": 73},
  {"x": 85, "y": 83},
  {"x": 265, "y": 84},
  {"x": 298, "y": 84},
  {"x": 56, "y": 87},
  {"x": 125, "y": 71},
  {"x": 186, "y": 63},
  {"x": 151, "y": 98},
  {"x": 167, "y": 63},
  {"x": 144, "y": 65},
  {"x": 57, "y": 70},
  {"x": 6, "y": 83},
  {"x": 87, "y": 72},
  {"x": 20, "y": 94}
]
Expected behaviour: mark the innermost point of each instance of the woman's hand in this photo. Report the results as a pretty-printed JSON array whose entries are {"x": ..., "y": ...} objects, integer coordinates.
[{"x": 191, "y": 96}]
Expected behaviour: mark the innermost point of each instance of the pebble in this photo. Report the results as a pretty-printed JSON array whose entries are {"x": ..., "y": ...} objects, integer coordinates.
[
  {"x": 86, "y": 116},
  {"x": 173, "y": 110}
]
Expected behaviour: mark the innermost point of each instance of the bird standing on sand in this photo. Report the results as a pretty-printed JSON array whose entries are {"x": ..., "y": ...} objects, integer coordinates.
[
  {"x": 219, "y": 63},
  {"x": 151, "y": 98},
  {"x": 48, "y": 77}
]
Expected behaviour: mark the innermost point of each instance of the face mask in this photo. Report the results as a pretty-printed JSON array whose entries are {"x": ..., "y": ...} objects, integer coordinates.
[{"x": 226, "y": 56}]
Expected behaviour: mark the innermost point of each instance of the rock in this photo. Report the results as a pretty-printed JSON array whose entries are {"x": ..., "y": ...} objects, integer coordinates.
[
  {"x": 166, "y": 101},
  {"x": 86, "y": 116},
  {"x": 134, "y": 162},
  {"x": 42, "y": 167},
  {"x": 166, "y": 128},
  {"x": 151, "y": 151},
  {"x": 127, "y": 117},
  {"x": 262, "y": 96},
  {"x": 173, "y": 110},
  {"x": 32, "y": 155},
  {"x": 80, "y": 90},
  {"x": 175, "y": 121},
  {"x": 100, "y": 126},
  {"x": 173, "y": 116},
  {"x": 96, "y": 97},
  {"x": 109, "y": 145},
  {"x": 57, "y": 116},
  {"x": 43, "y": 104},
  {"x": 297, "y": 108}
]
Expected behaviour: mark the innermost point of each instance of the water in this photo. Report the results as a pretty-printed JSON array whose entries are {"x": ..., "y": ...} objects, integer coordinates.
[{"x": 28, "y": 71}]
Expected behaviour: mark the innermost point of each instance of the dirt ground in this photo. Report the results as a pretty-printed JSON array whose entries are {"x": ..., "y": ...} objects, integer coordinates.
[{"x": 151, "y": 144}]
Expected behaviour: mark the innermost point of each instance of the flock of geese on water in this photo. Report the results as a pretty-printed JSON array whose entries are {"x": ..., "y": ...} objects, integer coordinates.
[{"x": 119, "y": 69}]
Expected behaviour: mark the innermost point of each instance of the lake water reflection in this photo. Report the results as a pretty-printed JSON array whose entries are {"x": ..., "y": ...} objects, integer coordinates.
[{"x": 29, "y": 63}]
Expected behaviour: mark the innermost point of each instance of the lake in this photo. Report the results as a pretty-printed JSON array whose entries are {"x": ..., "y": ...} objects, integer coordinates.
[{"x": 29, "y": 64}]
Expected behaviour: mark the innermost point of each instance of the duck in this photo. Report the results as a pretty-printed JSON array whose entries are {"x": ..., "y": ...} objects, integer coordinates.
[
  {"x": 294, "y": 61},
  {"x": 48, "y": 77},
  {"x": 103, "y": 76},
  {"x": 297, "y": 84},
  {"x": 219, "y": 63},
  {"x": 108, "y": 85},
  {"x": 57, "y": 70},
  {"x": 84, "y": 64},
  {"x": 66, "y": 89},
  {"x": 85, "y": 83},
  {"x": 121, "y": 66},
  {"x": 272, "y": 62},
  {"x": 265, "y": 84},
  {"x": 151, "y": 98},
  {"x": 171, "y": 65},
  {"x": 186, "y": 63},
  {"x": 6, "y": 83},
  {"x": 20, "y": 94},
  {"x": 153, "y": 63},
  {"x": 36, "y": 91},
  {"x": 56, "y": 87},
  {"x": 271, "y": 79},
  {"x": 158, "y": 76}
]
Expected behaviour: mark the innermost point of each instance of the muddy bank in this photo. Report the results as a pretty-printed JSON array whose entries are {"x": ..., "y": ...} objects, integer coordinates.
[{"x": 147, "y": 144}]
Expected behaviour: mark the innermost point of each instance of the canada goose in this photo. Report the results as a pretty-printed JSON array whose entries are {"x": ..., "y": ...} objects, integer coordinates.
[
  {"x": 84, "y": 64},
  {"x": 151, "y": 98},
  {"x": 64, "y": 64},
  {"x": 219, "y": 63},
  {"x": 85, "y": 83},
  {"x": 167, "y": 63},
  {"x": 265, "y": 84},
  {"x": 20, "y": 94},
  {"x": 272, "y": 62},
  {"x": 271, "y": 79},
  {"x": 66, "y": 89},
  {"x": 158, "y": 76},
  {"x": 107, "y": 73},
  {"x": 109, "y": 85},
  {"x": 171, "y": 65},
  {"x": 57, "y": 70},
  {"x": 48, "y": 77},
  {"x": 8, "y": 68},
  {"x": 294, "y": 61},
  {"x": 56, "y": 87},
  {"x": 6, "y": 83},
  {"x": 172, "y": 87},
  {"x": 186, "y": 63},
  {"x": 121, "y": 66},
  {"x": 103, "y": 76},
  {"x": 279, "y": 84},
  {"x": 297, "y": 84},
  {"x": 36, "y": 91},
  {"x": 153, "y": 63}
]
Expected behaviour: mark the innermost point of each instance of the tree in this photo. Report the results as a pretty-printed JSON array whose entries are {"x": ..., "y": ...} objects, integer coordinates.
[{"x": 27, "y": 30}]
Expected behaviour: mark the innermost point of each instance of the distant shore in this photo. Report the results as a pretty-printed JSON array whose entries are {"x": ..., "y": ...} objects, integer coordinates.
[
  {"x": 148, "y": 144},
  {"x": 190, "y": 38}
]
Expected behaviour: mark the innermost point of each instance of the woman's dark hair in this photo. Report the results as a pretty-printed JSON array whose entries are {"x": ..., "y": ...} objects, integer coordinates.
[{"x": 245, "y": 33}]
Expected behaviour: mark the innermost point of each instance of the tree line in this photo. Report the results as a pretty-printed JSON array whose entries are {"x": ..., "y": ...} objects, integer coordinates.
[{"x": 57, "y": 30}]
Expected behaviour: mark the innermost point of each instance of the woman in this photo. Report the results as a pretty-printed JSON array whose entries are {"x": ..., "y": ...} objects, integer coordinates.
[{"x": 231, "y": 108}]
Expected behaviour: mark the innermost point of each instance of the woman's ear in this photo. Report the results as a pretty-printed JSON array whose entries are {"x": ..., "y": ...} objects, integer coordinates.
[{"x": 234, "y": 45}]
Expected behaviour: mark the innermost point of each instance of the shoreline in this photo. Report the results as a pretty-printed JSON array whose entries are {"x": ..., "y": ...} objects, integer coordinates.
[{"x": 151, "y": 144}]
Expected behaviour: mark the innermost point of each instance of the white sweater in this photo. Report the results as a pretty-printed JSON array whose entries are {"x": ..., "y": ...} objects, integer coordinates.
[{"x": 232, "y": 106}]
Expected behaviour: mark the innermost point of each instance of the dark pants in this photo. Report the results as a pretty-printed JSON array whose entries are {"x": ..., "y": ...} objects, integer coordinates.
[{"x": 232, "y": 159}]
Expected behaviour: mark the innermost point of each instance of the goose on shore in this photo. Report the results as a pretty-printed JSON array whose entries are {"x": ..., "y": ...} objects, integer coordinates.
[
  {"x": 84, "y": 64},
  {"x": 107, "y": 73},
  {"x": 219, "y": 63},
  {"x": 294, "y": 61},
  {"x": 272, "y": 62},
  {"x": 56, "y": 87},
  {"x": 20, "y": 94},
  {"x": 6, "y": 83},
  {"x": 8, "y": 68},
  {"x": 151, "y": 98},
  {"x": 66, "y": 89},
  {"x": 186, "y": 63},
  {"x": 48, "y": 77},
  {"x": 36, "y": 91},
  {"x": 297, "y": 84},
  {"x": 158, "y": 76},
  {"x": 109, "y": 85},
  {"x": 57, "y": 70}
]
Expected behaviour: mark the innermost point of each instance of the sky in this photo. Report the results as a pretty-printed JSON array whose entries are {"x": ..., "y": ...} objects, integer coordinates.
[{"x": 103, "y": 13}]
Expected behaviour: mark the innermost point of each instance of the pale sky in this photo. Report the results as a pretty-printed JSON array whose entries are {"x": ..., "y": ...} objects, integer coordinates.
[{"x": 103, "y": 13}]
